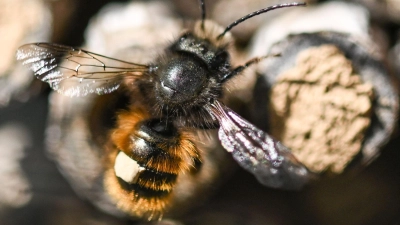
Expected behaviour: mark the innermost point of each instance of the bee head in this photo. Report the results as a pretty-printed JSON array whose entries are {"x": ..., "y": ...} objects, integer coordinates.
[{"x": 192, "y": 66}]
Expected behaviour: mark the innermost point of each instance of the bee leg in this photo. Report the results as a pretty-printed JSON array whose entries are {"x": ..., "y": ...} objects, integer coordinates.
[{"x": 240, "y": 69}]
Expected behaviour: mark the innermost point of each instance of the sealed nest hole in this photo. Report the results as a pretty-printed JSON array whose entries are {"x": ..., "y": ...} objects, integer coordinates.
[{"x": 327, "y": 99}]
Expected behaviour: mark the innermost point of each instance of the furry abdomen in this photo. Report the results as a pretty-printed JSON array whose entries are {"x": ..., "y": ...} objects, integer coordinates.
[{"x": 155, "y": 156}]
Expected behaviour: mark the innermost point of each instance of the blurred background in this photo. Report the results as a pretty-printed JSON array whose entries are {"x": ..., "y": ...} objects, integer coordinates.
[{"x": 33, "y": 191}]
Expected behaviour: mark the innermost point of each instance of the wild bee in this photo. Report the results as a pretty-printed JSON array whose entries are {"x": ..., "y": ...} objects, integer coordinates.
[{"x": 182, "y": 89}]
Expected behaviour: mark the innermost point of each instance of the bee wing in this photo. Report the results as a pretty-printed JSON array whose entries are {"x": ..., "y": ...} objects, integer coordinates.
[
  {"x": 268, "y": 160},
  {"x": 76, "y": 72}
]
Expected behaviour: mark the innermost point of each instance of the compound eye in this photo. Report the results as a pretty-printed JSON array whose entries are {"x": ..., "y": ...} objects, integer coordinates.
[{"x": 221, "y": 60}]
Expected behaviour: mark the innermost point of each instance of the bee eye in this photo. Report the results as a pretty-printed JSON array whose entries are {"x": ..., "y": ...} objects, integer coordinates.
[{"x": 221, "y": 60}]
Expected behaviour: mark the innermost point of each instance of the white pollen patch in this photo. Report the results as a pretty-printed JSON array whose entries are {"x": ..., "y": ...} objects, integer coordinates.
[{"x": 126, "y": 168}]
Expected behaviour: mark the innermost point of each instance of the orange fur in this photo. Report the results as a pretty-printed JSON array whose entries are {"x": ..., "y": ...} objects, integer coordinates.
[
  {"x": 181, "y": 155},
  {"x": 129, "y": 202},
  {"x": 126, "y": 124}
]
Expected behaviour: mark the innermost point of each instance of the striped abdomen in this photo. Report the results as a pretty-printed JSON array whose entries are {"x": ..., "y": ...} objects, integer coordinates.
[{"x": 146, "y": 158}]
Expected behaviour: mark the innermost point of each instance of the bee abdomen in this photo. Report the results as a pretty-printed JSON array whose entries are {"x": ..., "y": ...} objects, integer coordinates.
[
  {"x": 157, "y": 181},
  {"x": 146, "y": 157},
  {"x": 141, "y": 193},
  {"x": 134, "y": 175},
  {"x": 149, "y": 155},
  {"x": 147, "y": 191}
]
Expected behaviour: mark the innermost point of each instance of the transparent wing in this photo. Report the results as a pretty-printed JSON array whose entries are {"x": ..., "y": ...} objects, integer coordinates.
[
  {"x": 267, "y": 159},
  {"x": 76, "y": 72}
]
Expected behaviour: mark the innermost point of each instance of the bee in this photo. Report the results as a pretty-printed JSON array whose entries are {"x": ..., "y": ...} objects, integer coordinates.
[{"x": 150, "y": 147}]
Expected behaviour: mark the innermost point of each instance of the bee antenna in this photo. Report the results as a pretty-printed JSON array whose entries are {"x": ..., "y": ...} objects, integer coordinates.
[
  {"x": 258, "y": 12},
  {"x": 203, "y": 13}
]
